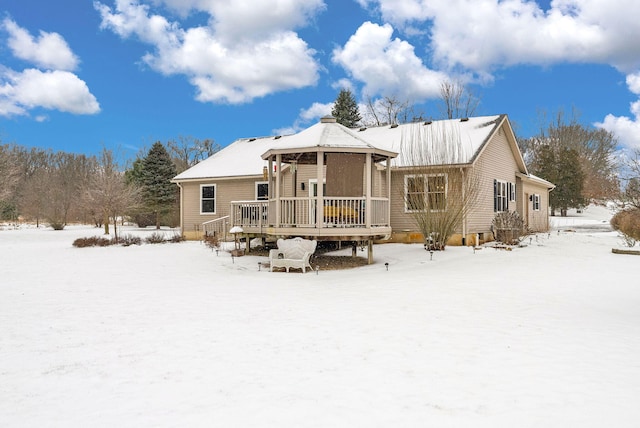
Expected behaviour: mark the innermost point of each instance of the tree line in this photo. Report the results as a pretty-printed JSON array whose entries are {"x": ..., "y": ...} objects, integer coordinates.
[{"x": 59, "y": 188}]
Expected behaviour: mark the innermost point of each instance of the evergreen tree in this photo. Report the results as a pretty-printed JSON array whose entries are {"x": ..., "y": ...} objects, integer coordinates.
[
  {"x": 345, "y": 109},
  {"x": 569, "y": 189},
  {"x": 561, "y": 166},
  {"x": 158, "y": 193}
]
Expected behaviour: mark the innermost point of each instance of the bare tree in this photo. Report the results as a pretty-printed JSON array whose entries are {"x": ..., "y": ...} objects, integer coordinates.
[
  {"x": 439, "y": 188},
  {"x": 595, "y": 148},
  {"x": 9, "y": 171},
  {"x": 108, "y": 193},
  {"x": 458, "y": 101},
  {"x": 631, "y": 194},
  {"x": 35, "y": 166},
  {"x": 67, "y": 175},
  {"x": 188, "y": 151},
  {"x": 388, "y": 110}
]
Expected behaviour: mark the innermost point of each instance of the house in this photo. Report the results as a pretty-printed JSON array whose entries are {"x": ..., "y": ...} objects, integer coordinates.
[{"x": 332, "y": 183}]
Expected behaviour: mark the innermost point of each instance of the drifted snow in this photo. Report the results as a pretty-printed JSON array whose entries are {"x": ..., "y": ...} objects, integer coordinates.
[{"x": 173, "y": 335}]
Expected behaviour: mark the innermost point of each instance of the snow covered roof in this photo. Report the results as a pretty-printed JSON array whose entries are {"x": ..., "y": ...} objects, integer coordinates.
[
  {"x": 240, "y": 158},
  {"x": 467, "y": 135},
  {"x": 538, "y": 180},
  {"x": 244, "y": 157}
]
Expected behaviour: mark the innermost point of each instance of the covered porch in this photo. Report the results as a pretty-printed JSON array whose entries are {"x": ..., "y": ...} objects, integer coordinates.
[{"x": 325, "y": 184}]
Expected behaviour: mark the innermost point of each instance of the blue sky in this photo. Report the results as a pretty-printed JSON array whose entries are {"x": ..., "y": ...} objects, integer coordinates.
[{"x": 77, "y": 75}]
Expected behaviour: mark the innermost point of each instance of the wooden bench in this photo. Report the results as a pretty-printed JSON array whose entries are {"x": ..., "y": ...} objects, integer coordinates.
[{"x": 292, "y": 253}]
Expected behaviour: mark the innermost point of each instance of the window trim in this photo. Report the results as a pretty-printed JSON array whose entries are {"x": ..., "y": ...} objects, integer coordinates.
[
  {"x": 425, "y": 192},
  {"x": 536, "y": 202},
  {"x": 502, "y": 196},
  {"x": 215, "y": 197},
  {"x": 258, "y": 183}
]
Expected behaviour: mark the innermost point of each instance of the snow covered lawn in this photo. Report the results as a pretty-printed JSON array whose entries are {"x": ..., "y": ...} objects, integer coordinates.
[{"x": 172, "y": 335}]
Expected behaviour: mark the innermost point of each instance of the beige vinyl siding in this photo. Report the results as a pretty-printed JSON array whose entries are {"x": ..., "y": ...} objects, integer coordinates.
[
  {"x": 402, "y": 221},
  {"x": 226, "y": 191},
  {"x": 495, "y": 163},
  {"x": 538, "y": 221}
]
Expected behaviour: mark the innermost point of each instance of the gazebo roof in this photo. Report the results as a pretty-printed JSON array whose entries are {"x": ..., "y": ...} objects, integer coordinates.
[{"x": 325, "y": 136}]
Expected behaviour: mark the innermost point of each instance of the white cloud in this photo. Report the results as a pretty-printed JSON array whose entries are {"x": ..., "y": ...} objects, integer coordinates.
[
  {"x": 633, "y": 82},
  {"x": 484, "y": 34},
  {"x": 626, "y": 129},
  {"x": 242, "y": 19},
  {"x": 54, "y": 90},
  {"x": 386, "y": 65},
  {"x": 49, "y": 50},
  {"x": 306, "y": 116},
  {"x": 343, "y": 84},
  {"x": 316, "y": 111},
  {"x": 240, "y": 56}
]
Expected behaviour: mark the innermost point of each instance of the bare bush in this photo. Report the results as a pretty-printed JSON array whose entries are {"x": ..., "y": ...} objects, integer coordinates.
[
  {"x": 438, "y": 195},
  {"x": 177, "y": 237},
  {"x": 508, "y": 227},
  {"x": 212, "y": 241},
  {"x": 627, "y": 223},
  {"x": 129, "y": 239},
  {"x": 94, "y": 241},
  {"x": 155, "y": 238}
]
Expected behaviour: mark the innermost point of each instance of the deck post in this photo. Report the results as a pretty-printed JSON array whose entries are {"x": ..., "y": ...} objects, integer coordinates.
[
  {"x": 367, "y": 211},
  {"x": 370, "y": 251},
  {"x": 320, "y": 195},
  {"x": 277, "y": 186}
]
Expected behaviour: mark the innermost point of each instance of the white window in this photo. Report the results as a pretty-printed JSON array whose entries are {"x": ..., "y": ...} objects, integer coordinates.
[
  {"x": 425, "y": 192},
  {"x": 500, "y": 202},
  {"x": 536, "y": 202},
  {"x": 207, "y": 199},
  {"x": 512, "y": 192},
  {"x": 262, "y": 190}
]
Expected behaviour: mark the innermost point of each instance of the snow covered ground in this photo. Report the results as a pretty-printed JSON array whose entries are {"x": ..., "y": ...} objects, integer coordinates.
[{"x": 172, "y": 335}]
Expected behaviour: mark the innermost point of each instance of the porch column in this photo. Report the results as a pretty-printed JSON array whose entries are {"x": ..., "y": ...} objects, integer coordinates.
[
  {"x": 277, "y": 186},
  {"x": 367, "y": 186},
  {"x": 320, "y": 196},
  {"x": 270, "y": 192}
]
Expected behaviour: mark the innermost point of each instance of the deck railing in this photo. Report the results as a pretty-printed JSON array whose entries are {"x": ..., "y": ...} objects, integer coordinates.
[
  {"x": 249, "y": 213},
  {"x": 218, "y": 227},
  {"x": 302, "y": 212}
]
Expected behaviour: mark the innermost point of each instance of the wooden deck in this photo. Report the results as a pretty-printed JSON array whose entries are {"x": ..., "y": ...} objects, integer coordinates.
[{"x": 340, "y": 219}]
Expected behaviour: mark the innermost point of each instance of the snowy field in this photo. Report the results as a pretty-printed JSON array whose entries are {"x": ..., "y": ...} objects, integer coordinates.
[{"x": 172, "y": 335}]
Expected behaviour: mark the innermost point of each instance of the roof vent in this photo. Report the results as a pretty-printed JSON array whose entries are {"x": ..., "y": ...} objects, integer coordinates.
[
  {"x": 464, "y": 119},
  {"x": 364, "y": 128},
  {"x": 277, "y": 137},
  {"x": 428, "y": 122},
  {"x": 252, "y": 139},
  {"x": 328, "y": 119},
  {"x": 395, "y": 125}
]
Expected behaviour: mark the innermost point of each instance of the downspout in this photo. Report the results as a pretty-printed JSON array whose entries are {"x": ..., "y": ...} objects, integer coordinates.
[
  {"x": 389, "y": 192},
  {"x": 181, "y": 209}
]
